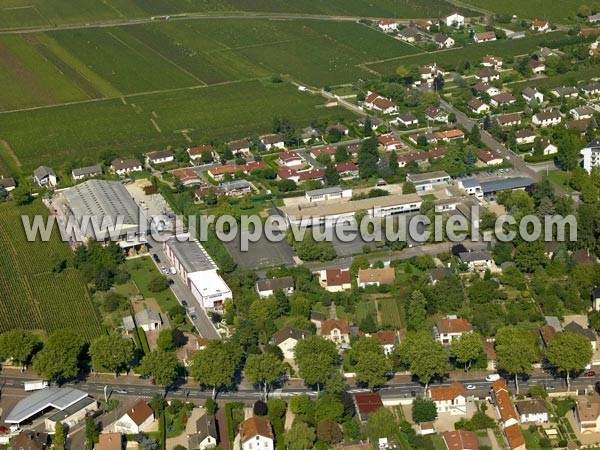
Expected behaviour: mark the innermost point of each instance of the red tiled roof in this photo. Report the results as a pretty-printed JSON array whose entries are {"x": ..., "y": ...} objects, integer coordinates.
[
  {"x": 367, "y": 402},
  {"x": 337, "y": 277},
  {"x": 386, "y": 337},
  {"x": 455, "y": 326},
  {"x": 486, "y": 157},
  {"x": 255, "y": 426},
  {"x": 486, "y": 35},
  {"x": 313, "y": 174},
  {"x": 505, "y": 404},
  {"x": 185, "y": 175},
  {"x": 331, "y": 324},
  {"x": 539, "y": 23},
  {"x": 194, "y": 151},
  {"x": 346, "y": 166},
  {"x": 514, "y": 436},
  {"x": 447, "y": 392},
  {"x": 140, "y": 412},
  {"x": 461, "y": 440}
]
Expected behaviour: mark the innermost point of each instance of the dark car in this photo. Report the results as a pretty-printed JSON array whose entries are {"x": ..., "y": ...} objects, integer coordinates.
[
  {"x": 183, "y": 302},
  {"x": 193, "y": 316},
  {"x": 156, "y": 258},
  {"x": 589, "y": 373}
]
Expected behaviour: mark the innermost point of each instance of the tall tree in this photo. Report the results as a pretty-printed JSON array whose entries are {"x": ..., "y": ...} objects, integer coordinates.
[
  {"x": 59, "y": 438},
  {"x": 300, "y": 436},
  {"x": 59, "y": 358},
  {"x": 423, "y": 356},
  {"x": 160, "y": 365},
  {"x": 569, "y": 352},
  {"x": 317, "y": 359},
  {"x": 466, "y": 349},
  {"x": 329, "y": 431},
  {"x": 423, "y": 410},
  {"x": 475, "y": 136},
  {"x": 111, "y": 353},
  {"x": 332, "y": 177},
  {"x": 515, "y": 351},
  {"x": 263, "y": 369},
  {"x": 416, "y": 313},
  {"x": 381, "y": 424},
  {"x": 18, "y": 345},
  {"x": 91, "y": 432},
  {"x": 216, "y": 365}
]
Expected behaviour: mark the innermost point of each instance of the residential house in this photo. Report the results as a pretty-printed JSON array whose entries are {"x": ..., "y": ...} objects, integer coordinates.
[
  {"x": 426, "y": 428},
  {"x": 509, "y": 120},
  {"x": 525, "y": 136},
  {"x": 378, "y": 103},
  {"x": 408, "y": 34},
  {"x": 367, "y": 403},
  {"x": 489, "y": 159},
  {"x": 197, "y": 152},
  {"x": 532, "y": 411},
  {"x": 45, "y": 176},
  {"x": 256, "y": 434},
  {"x": 335, "y": 280},
  {"x": 450, "y": 399},
  {"x": 266, "y": 288},
  {"x": 329, "y": 150},
  {"x": 540, "y": 25},
  {"x": 339, "y": 128},
  {"x": 444, "y": 41},
  {"x": 388, "y": 25},
  {"x": 240, "y": 146},
  {"x": 336, "y": 330},
  {"x": 485, "y": 88},
  {"x": 455, "y": 20},
  {"x": 389, "y": 142},
  {"x": 532, "y": 93},
  {"x": 271, "y": 141},
  {"x": 486, "y": 36},
  {"x": 439, "y": 273},
  {"x": 547, "y": 118},
  {"x": 514, "y": 437},
  {"x": 590, "y": 334},
  {"x": 205, "y": 435},
  {"x": 110, "y": 441},
  {"x": 287, "y": 338},
  {"x": 407, "y": 120},
  {"x": 375, "y": 122},
  {"x": 376, "y": 277},
  {"x": 546, "y": 52},
  {"x": 429, "y": 72},
  {"x": 160, "y": 157},
  {"x": 565, "y": 92},
  {"x": 547, "y": 147},
  {"x": 139, "y": 418},
  {"x": 494, "y": 62},
  {"x": 477, "y": 106},
  {"x": 85, "y": 172},
  {"x": 582, "y": 112},
  {"x": 310, "y": 133},
  {"x": 476, "y": 260},
  {"x": 583, "y": 256},
  {"x": 504, "y": 405},
  {"x": 487, "y": 75},
  {"x": 317, "y": 318},
  {"x": 502, "y": 99},
  {"x": 122, "y": 166},
  {"x": 591, "y": 155},
  {"x": 451, "y": 328},
  {"x": 425, "y": 24},
  {"x": 587, "y": 413},
  {"x": 235, "y": 188},
  {"x": 347, "y": 169},
  {"x": 147, "y": 319},
  {"x": 436, "y": 114},
  {"x": 290, "y": 159},
  {"x": 389, "y": 340},
  {"x": 537, "y": 67},
  {"x": 591, "y": 89},
  {"x": 30, "y": 440},
  {"x": 461, "y": 440}
]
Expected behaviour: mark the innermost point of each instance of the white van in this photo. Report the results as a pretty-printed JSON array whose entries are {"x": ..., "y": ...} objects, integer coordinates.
[{"x": 492, "y": 377}]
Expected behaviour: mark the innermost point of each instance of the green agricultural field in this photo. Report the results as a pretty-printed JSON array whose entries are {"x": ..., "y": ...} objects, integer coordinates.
[
  {"x": 558, "y": 11},
  {"x": 32, "y": 13},
  {"x": 79, "y": 133},
  {"x": 471, "y": 52},
  {"x": 390, "y": 313},
  {"x": 31, "y": 296}
]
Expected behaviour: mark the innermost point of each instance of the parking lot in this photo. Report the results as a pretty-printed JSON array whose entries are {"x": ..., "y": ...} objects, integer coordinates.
[{"x": 262, "y": 253}]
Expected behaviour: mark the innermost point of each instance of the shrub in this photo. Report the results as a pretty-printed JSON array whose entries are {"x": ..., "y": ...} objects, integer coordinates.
[{"x": 260, "y": 408}]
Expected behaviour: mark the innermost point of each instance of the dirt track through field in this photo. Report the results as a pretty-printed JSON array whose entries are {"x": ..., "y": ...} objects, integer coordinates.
[{"x": 9, "y": 152}]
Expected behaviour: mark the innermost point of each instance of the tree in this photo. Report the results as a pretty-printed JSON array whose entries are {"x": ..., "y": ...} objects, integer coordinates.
[
  {"x": 530, "y": 255},
  {"x": 216, "y": 365},
  {"x": 423, "y": 410},
  {"x": 299, "y": 437},
  {"x": 329, "y": 431},
  {"x": 329, "y": 406},
  {"x": 263, "y": 369},
  {"x": 515, "y": 351},
  {"x": 569, "y": 352},
  {"x": 18, "y": 345},
  {"x": 158, "y": 283},
  {"x": 160, "y": 365},
  {"x": 466, "y": 349},
  {"x": 165, "y": 340},
  {"x": 260, "y": 408},
  {"x": 21, "y": 195},
  {"x": 341, "y": 154},
  {"x": 424, "y": 357},
  {"x": 316, "y": 358},
  {"x": 59, "y": 438},
  {"x": 59, "y": 358},
  {"x": 286, "y": 185},
  {"x": 91, "y": 431},
  {"x": 381, "y": 424},
  {"x": 416, "y": 313},
  {"x": 475, "y": 136},
  {"x": 332, "y": 177},
  {"x": 110, "y": 353},
  {"x": 408, "y": 188}
]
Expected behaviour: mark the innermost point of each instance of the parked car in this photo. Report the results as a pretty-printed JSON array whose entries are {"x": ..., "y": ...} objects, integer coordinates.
[
  {"x": 492, "y": 377},
  {"x": 183, "y": 303},
  {"x": 156, "y": 258},
  {"x": 589, "y": 373},
  {"x": 121, "y": 391},
  {"x": 470, "y": 387}
]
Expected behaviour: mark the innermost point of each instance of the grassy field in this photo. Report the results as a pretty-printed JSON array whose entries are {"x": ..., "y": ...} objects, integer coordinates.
[
  {"x": 31, "y": 296},
  {"x": 390, "y": 313},
  {"x": 31, "y": 13},
  {"x": 142, "y": 271},
  {"x": 531, "y": 9},
  {"x": 472, "y": 52},
  {"x": 80, "y": 132}
]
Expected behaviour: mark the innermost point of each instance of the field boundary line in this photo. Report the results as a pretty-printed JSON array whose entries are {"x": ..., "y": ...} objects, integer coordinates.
[{"x": 10, "y": 152}]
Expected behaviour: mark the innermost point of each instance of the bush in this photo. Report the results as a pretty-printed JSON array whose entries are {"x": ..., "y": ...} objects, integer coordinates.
[
  {"x": 260, "y": 408},
  {"x": 211, "y": 406},
  {"x": 158, "y": 284},
  {"x": 423, "y": 410}
]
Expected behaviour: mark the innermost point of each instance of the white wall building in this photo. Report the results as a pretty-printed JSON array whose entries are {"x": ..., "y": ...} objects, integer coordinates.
[
  {"x": 455, "y": 20},
  {"x": 591, "y": 155}
]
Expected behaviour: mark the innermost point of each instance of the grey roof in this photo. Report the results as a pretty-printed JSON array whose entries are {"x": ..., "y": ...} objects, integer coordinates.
[
  {"x": 324, "y": 191},
  {"x": 425, "y": 177},
  {"x": 441, "y": 38},
  {"x": 309, "y": 132},
  {"x": 583, "y": 110},
  {"x": 374, "y": 120},
  {"x": 90, "y": 170},
  {"x": 574, "y": 327},
  {"x": 191, "y": 254},
  {"x": 233, "y": 185},
  {"x": 144, "y": 317},
  {"x": 103, "y": 200},
  {"x": 565, "y": 90},
  {"x": 205, "y": 426},
  {"x": 238, "y": 145},
  {"x": 408, "y": 117},
  {"x": 554, "y": 323},
  {"x": 524, "y": 133},
  {"x": 530, "y": 92},
  {"x": 439, "y": 273},
  {"x": 516, "y": 35},
  {"x": 317, "y": 316},
  {"x": 275, "y": 283},
  {"x": 531, "y": 407},
  {"x": 545, "y": 115},
  {"x": 594, "y": 143},
  {"x": 160, "y": 154},
  {"x": 7, "y": 182},
  {"x": 69, "y": 411},
  {"x": 59, "y": 398},
  {"x": 287, "y": 332},
  {"x": 505, "y": 183},
  {"x": 475, "y": 256},
  {"x": 470, "y": 183},
  {"x": 591, "y": 87},
  {"x": 409, "y": 32},
  {"x": 43, "y": 171}
]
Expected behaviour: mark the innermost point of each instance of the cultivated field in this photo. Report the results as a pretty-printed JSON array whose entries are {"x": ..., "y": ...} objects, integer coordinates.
[
  {"x": 557, "y": 11},
  {"x": 79, "y": 133},
  {"x": 31, "y": 13},
  {"x": 472, "y": 52},
  {"x": 31, "y": 296}
]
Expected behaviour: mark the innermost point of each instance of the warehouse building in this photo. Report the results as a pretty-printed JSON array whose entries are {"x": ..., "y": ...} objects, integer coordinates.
[{"x": 197, "y": 269}]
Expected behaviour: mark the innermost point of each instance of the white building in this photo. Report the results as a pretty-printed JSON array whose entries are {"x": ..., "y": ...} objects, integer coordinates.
[
  {"x": 332, "y": 193},
  {"x": 256, "y": 434},
  {"x": 455, "y": 20},
  {"x": 45, "y": 176},
  {"x": 197, "y": 269},
  {"x": 388, "y": 25},
  {"x": 287, "y": 338},
  {"x": 532, "y": 411},
  {"x": 159, "y": 157},
  {"x": 147, "y": 319},
  {"x": 591, "y": 155},
  {"x": 84, "y": 172},
  {"x": 265, "y": 288},
  {"x": 139, "y": 418},
  {"x": 451, "y": 328},
  {"x": 532, "y": 93},
  {"x": 450, "y": 399},
  {"x": 476, "y": 260},
  {"x": 547, "y": 118},
  {"x": 123, "y": 166},
  {"x": 271, "y": 141}
]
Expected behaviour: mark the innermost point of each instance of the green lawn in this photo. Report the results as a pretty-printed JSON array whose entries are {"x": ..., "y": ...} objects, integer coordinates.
[
  {"x": 532, "y": 9},
  {"x": 143, "y": 270},
  {"x": 560, "y": 178},
  {"x": 80, "y": 132}
]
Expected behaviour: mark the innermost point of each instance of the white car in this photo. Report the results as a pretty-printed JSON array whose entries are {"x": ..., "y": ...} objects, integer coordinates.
[
  {"x": 492, "y": 377},
  {"x": 470, "y": 387}
]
